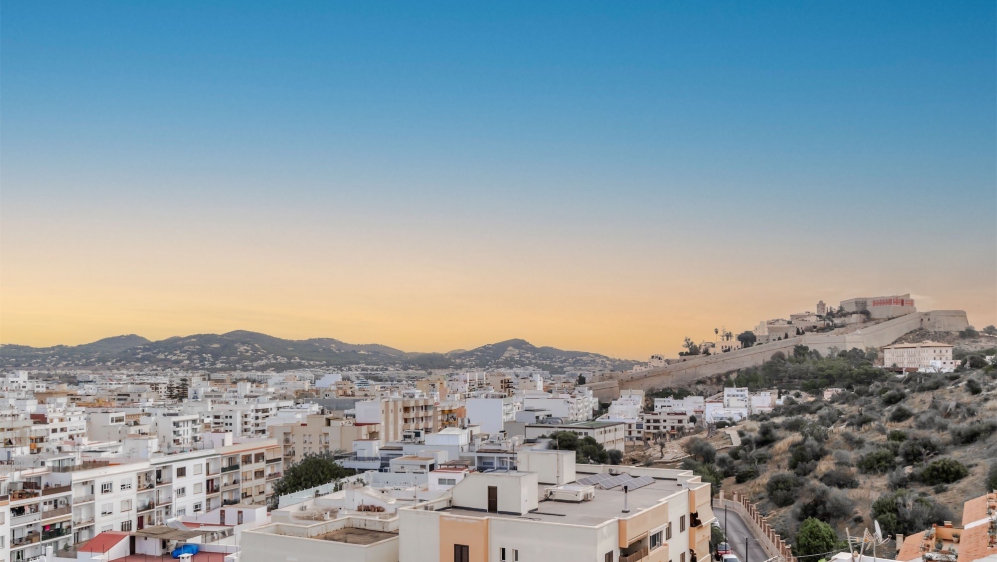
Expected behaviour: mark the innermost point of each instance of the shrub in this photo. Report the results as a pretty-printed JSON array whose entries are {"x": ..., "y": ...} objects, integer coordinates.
[
  {"x": 892, "y": 397},
  {"x": 795, "y": 423},
  {"x": 725, "y": 464},
  {"x": 839, "y": 478},
  {"x": 931, "y": 420},
  {"x": 896, "y": 435},
  {"x": 826, "y": 504},
  {"x": 745, "y": 473},
  {"x": 974, "y": 387},
  {"x": 877, "y": 461},
  {"x": 992, "y": 477},
  {"x": 861, "y": 419},
  {"x": 782, "y": 488},
  {"x": 901, "y": 413},
  {"x": 701, "y": 449},
  {"x": 804, "y": 456},
  {"x": 814, "y": 538},
  {"x": 971, "y": 432},
  {"x": 897, "y": 479},
  {"x": 906, "y": 512},
  {"x": 842, "y": 457},
  {"x": 767, "y": 435},
  {"x": 943, "y": 471},
  {"x": 919, "y": 448},
  {"x": 930, "y": 383}
]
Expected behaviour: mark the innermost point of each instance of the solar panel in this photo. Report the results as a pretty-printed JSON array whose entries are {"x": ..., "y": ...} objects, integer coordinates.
[
  {"x": 594, "y": 479},
  {"x": 614, "y": 482},
  {"x": 640, "y": 482}
]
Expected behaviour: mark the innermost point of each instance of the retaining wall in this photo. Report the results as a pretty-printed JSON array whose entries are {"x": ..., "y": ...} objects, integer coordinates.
[{"x": 768, "y": 539}]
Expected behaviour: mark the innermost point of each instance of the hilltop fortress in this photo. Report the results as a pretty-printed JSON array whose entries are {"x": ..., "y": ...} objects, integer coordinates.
[{"x": 868, "y": 322}]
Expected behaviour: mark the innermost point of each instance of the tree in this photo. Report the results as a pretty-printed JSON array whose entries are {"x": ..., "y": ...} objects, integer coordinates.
[
  {"x": 990, "y": 330},
  {"x": 943, "y": 471},
  {"x": 815, "y": 537},
  {"x": 691, "y": 348},
  {"x": 783, "y": 488},
  {"x": 747, "y": 338},
  {"x": 311, "y": 471}
]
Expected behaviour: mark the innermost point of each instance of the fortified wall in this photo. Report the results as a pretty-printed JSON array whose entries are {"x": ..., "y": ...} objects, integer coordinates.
[{"x": 876, "y": 335}]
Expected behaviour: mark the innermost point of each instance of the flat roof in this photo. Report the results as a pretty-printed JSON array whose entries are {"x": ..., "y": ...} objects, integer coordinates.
[
  {"x": 579, "y": 425},
  {"x": 607, "y": 505},
  {"x": 353, "y": 535}
]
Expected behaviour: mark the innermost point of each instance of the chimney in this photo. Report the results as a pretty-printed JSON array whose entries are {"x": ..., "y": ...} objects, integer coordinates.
[{"x": 626, "y": 506}]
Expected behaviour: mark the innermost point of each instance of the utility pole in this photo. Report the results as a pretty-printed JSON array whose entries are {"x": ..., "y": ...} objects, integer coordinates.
[{"x": 745, "y": 549}]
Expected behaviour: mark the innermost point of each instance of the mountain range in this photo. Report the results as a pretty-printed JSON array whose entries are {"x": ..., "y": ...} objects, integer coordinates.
[{"x": 244, "y": 350}]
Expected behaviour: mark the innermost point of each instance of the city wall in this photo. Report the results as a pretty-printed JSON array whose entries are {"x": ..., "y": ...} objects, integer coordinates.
[{"x": 876, "y": 335}]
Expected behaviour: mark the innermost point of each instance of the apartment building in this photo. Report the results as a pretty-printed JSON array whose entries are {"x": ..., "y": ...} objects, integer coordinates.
[
  {"x": 399, "y": 416},
  {"x": 491, "y": 411},
  {"x": 611, "y": 435},
  {"x": 320, "y": 434},
  {"x": 248, "y": 419},
  {"x": 577, "y": 406},
  {"x": 927, "y": 356},
  {"x": 504, "y": 517},
  {"x": 245, "y": 473}
]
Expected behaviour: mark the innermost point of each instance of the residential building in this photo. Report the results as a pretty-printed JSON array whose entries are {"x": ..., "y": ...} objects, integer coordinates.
[{"x": 926, "y": 356}]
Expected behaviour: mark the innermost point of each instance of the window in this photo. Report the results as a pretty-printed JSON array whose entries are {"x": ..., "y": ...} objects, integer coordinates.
[
  {"x": 181, "y": 512},
  {"x": 107, "y": 509},
  {"x": 609, "y": 557},
  {"x": 126, "y": 525},
  {"x": 197, "y": 507},
  {"x": 682, "y": 523},
  {"x": 126, "y": 505},
  {"x": 181, "y": 471},
  {"x": 107, "y": 528},
  {"x": 181, "y": 492},
  {"x": 460, "y": 553},
  {"x": 668, "y": 531},
  {"x": 197, "y": 488},
  {"x": 198, "y": 468},
  {"x": 513, "y": 555},
  {"x": 656, "y": 540},
  {"x": 682, "y": 557},
  {"x": 448, "y": 481},
  {"x": 106, "y": 487},
  {"x": 126, "y": 484}
]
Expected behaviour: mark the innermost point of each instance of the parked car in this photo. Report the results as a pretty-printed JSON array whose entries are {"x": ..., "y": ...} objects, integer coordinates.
[
  {"x": 729, "y": 558},
  {"x": 724, "y": 549}
]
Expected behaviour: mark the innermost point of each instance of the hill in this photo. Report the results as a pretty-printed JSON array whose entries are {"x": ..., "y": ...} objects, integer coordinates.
[
  {"x": 906, "y": 451},
  {"x": 245, "y": 350}
]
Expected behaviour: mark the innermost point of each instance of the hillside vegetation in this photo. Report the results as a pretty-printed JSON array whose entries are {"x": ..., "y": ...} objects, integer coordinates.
[{"x": 906, "y": 451}]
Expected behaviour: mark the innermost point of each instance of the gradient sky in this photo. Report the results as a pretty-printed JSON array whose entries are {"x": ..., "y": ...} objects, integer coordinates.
[{"x": 599, "y": 176}]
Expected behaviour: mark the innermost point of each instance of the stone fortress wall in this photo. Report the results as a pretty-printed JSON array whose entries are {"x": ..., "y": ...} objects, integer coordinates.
[{"x": 875, "y": 335}]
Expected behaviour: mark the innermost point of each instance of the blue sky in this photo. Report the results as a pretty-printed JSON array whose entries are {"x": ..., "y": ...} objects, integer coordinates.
[{"x": 705, "y": 138}]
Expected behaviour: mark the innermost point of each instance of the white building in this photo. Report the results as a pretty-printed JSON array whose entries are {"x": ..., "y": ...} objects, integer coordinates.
[{"x": 927, "y": 356}]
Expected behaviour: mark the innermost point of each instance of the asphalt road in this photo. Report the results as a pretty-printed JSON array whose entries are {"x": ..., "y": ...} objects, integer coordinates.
[{"x": 736, "y": 533}]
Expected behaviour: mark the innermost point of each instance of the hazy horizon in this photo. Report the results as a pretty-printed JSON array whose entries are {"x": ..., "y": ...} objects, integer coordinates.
[{"x": 586, "y": 176}]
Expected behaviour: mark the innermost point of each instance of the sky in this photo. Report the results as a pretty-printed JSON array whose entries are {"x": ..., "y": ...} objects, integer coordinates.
[{"x": 602, "y": 176}]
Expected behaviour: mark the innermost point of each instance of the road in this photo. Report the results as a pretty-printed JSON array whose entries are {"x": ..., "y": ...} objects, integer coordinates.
[{"x": 736, "y": 533}]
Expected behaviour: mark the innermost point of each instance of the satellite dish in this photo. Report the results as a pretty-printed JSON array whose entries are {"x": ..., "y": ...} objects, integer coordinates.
[{"x": 879, "y": 532}]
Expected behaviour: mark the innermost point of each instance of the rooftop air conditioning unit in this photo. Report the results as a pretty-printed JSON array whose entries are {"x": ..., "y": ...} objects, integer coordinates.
[{"x": 570, "y": 493}]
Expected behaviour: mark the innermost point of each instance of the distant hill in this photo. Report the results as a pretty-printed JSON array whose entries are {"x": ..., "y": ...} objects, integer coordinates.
[{"x": 245, "y": 350}]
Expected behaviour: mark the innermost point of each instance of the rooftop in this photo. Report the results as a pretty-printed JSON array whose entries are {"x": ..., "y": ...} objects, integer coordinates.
[
  {"x": 607, "y": 505},
  {"x": 352, "y": 535}
]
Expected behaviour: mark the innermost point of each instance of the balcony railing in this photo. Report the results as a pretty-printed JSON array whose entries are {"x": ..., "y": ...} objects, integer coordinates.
[
  {"x": 230, "y": 468},
  {"x": 82, "y": 522},
  {"x": 16, "y": 495},
  {"x": 146, "y": 506},
  {"x": 30, "y": 538},
  {"x": 634, "y": 556},
  {"x": 274, "y": 475},
  {"x": 230, "y": 502},
  {"x": 52, "y": 490},
  {"x": 55, "y": 533},
  {"x": 271, "y": 461},
  {"x": 59, "y": 512},
  {"x": 77, "y": 500}
]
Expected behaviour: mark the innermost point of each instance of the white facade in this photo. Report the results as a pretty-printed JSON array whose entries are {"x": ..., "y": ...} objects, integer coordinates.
[{"x": 928, "y": 356}]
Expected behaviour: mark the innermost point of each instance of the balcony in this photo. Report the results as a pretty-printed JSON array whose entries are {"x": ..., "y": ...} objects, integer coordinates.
[
  {"x": 25, "y": 518},
  {"x": 30, "y": 538},
  {"x": 230, "y": 502},
  {"x": 52, "y": 513},
  {"x": 77, "y": 500},
  {"x": 634, "y": 556},
  {"x": 274, "y": 475},
  {"x": 55, "y": 533},
  {"x": 148, "y": 506},
  {"x": 230, "y": 468},
  {"x": 17, "y": 495},
  {"x": 83, "y": 522},
  {"x": 272, "y": 461},
  {"x": 231, "y": 484},
  {"x": 53, "y": 490}
]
